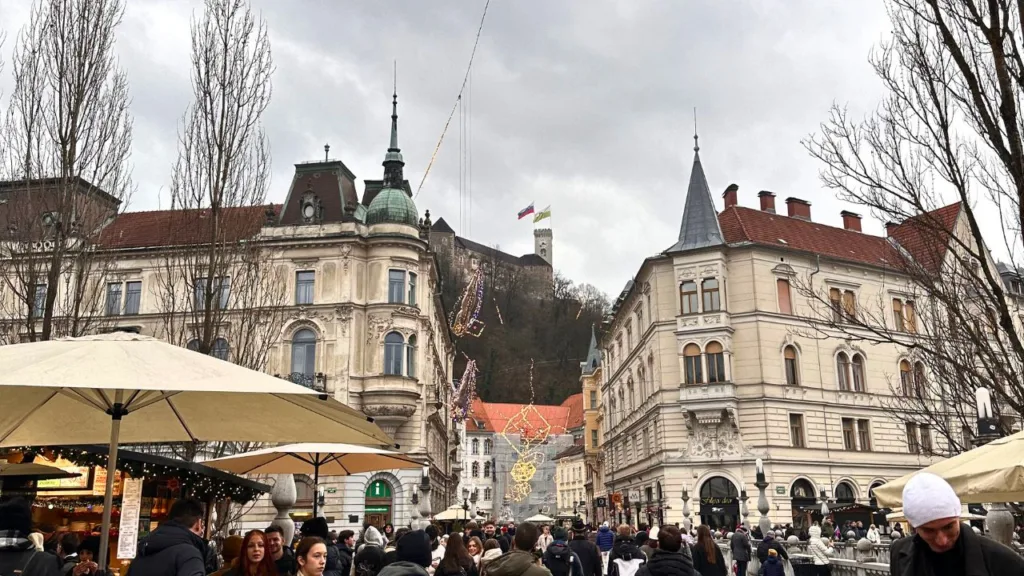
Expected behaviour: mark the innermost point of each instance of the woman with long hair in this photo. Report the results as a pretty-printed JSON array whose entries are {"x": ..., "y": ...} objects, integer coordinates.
[
  {"x": 311, "y": 556},
  {"x": 492, "y": 549},
  {"x": 457, "y": 561},
  {"x": 254, "y": 559},
  {"x": 707, "y": 556},
  {"x": 475, "y": 548}
]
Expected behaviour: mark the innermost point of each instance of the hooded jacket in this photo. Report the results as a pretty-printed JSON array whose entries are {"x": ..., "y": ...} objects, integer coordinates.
[
  {"x": 515, "y": 563},
  {"x": 172, "y": 550},
  {"x": 816, "y": 547},
  {"x": 626, "y": 558},
  {"x": 605, "y": 539},
  {"x": 369, "y": 559},
  {"x": 488, "y": 556},
  {"x": 772, "y": 567},
  {"x": 17, "y": 552},
  {"x": 587, "y": 552},
  {"x": 770, "y": 544},
  {"x": 981, "y": 555},
  {"x": 873, "y": 535},
  {"x": 403, "y": 568},
  {"x": 665, "y": 563}
]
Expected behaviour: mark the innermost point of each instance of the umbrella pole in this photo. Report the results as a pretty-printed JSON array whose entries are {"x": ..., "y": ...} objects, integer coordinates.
[
  {"x": 316, "y": 483},
  {"x": 117, "y": 411}
]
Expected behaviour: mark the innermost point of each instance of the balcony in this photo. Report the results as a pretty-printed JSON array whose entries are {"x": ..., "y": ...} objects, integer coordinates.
[
  {"x": 391, "y": 400},
  {"x": 707, "y": 401},
  {"x": 316, "y": 381}
]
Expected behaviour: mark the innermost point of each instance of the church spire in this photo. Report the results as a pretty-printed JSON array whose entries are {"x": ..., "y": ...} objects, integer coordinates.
[
  {"x": 593, "y": 354},
  {"x": 393, "y": 161},
  {"x": 699, "y": 227}
]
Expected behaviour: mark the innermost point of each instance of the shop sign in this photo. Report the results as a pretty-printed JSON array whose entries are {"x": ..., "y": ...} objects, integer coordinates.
[
  {"x": 128, "y": 530},
  {"x": 331, "y": 490},
  {"x": 781, "y": 490},
  {"x": 719, "y": 501},
  {"x": 377, "y": 509},
  {"x": 601, "y": 502}
]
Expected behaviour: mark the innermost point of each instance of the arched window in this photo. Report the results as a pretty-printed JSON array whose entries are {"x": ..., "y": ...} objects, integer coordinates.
[
  {"x": 726, "y": 512},
  {"x": 487, "y": 469},
  {"x": 691, "y": 361},
  {"x": 220, "y": 349},
  {"x": 642, "y": 377},
  {"x": 304, "y": 353},
  {"x": 193, "y": 345},
  {"x": 802, "y": 489},
  {"x": 858, "y": 373},
  {"x": 622, "y": 404},
  {"x": 688, "y": 302},
  {"x": 304, "y": 491},
  {"x": 476, "y": 469},
  {"x": 843, "y": 370},
  {"x": 716, "y": 362},
  {"x": 844, "y": 493},
  {"x": 632, "y": 395},
  {"x": 792, "y": 366},
  {"x": 410, "y": 357},
  {"x": 393, "y": 345},
  {"x": 871, "y": 494},
  {"x": 488, "y": 446},
  {"x": 476, "y": 447},
  {"x": 906, "y": 378},
  {"x": 712, "y": 299}
]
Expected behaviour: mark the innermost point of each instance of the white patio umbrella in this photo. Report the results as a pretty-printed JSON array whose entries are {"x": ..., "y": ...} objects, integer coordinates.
[
  {"x": 129, "y": 388},
  {"x": 315, "y": 459},
  {"x": 453, "y": 512},
  {"x": 540, "y": 519}
]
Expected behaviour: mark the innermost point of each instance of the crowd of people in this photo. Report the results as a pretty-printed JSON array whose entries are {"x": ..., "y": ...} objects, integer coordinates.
[{"x": 176, "y": 548}]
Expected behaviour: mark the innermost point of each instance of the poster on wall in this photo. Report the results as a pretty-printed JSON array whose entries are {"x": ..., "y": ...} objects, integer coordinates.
[{"x": 131, "y": 508}]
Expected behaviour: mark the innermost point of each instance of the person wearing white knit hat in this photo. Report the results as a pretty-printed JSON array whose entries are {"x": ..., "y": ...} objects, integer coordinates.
[{"x": 940, "y": 546}]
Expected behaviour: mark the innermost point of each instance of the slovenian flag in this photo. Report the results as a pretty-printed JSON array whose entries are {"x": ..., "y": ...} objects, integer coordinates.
[{"x": 526, "y": 211}]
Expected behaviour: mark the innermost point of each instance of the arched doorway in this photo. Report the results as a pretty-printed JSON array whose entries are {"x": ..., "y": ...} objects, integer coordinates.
[
  {"x": 379, "y": 503},
  {"x": 719, "y": 504},
  {"x": 803, "y": 503}
]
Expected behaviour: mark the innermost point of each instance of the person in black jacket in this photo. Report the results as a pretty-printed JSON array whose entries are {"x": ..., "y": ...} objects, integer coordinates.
[
  {"x": 346, "y": 543},
  {"x": 707, "y": 556},
  {"x": 589, "y": 555},
  {"x": 176, "y": 547},
  {"x": 17, "y": 552},
  {"x": 770, "y": 543},
  {"x": 626, "y": 556},
  {"x": 318, "y": 527},
  {"x": 283, "y": 557},
  {"x": 668, "y": 559},
  {"x": 491, "y": 531}
]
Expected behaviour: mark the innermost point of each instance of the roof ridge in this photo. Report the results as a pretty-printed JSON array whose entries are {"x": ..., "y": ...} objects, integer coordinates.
[{"x": 181, "y": 210}]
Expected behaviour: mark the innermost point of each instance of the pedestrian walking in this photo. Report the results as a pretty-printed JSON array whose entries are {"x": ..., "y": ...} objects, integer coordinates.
[
  {"x": 559, "y": 558},
  {"x": 668, "y": 558},
  {"x": 369, "y": 558},
  {"x": 318, "y": 527},
  {"x": 519, "y": 561},
  {"x": 626, "y": 557},
  {"x": 770, "y": 543},
  {"x": 707, "y": 557},
  {"x": 492, "y": 549},
  {"x": 773, "y": 565},
  {"x": 942, "y": 545},
  {"x": 457, "y": 561},
  {"x": 311, "y": 556},
  {"x": 605, "y": 540},
  {"x": 283, "y": 556},
  {"x": 254, "y": 558},
  {"x": 586, "y": 551},
  {"x": 545, "y": 538},
  {"x": 176, "y": 547},
  {"x": 817, "y": 547},
  {"x": 412, "y": 554},
  {"x": 739, "y": 544}
]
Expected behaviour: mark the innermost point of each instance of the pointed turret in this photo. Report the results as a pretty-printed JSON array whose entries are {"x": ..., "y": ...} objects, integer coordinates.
[
  {"x": 393, "y": 161},
  {"x": 593, "y": 355},
  {"x": 699, "y": 227}
]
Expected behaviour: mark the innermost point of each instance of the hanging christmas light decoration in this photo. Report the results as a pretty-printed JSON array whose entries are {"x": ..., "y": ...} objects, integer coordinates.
[
  {"x": 530, "y": 430},
  {"x": 466, "y": 316},
  {"x": 463, "y": 392}
]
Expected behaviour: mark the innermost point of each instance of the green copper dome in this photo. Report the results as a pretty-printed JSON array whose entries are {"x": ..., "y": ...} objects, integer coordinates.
[{"x": 392, "y": 206}]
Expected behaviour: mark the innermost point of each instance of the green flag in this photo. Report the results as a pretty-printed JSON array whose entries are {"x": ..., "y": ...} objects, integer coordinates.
[{"x": 545, "y": 213}]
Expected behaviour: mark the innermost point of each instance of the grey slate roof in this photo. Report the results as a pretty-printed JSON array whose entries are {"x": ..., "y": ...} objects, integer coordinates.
[
  {"x": 593, "y": 355},
  {"x": 699, "y": 227}
]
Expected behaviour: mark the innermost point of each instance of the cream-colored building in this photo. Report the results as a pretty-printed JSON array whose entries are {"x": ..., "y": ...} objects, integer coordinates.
[
  {"x": 713, "y": 359},
  {"x": 362, "y": 318},
  {"x": 570, "y": 478},
  {"x": 593, "y": 432}
]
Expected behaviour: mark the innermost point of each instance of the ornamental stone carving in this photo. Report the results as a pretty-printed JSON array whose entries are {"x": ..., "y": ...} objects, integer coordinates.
[
  {"x": 343, "y": 315},
  {"x": 688, "y": 273},
  {"x": 714, "y": 319},
  {"x": 713, "y": 434},
  {"x": 346, "y": 253},
  {"x": 377, "y": 325}
]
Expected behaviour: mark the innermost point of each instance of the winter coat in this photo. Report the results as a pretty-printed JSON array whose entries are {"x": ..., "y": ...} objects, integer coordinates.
[
  {"x": 589, "y": 555},
  {"x": 740, "y": 546},
  {"x": 403, "y": 568},
  {"x": 981, "y": 556},
  {"x": 873, "y": 536},
  {"x": 625, "y": 559},
  {"x": 605, "y": 539},
  {"x": 561, "y": 567},
  {"x": 173, "y": 550},
  {"x": 544, "y": 541},
  {"x": 17, "y": 552},
  {"x": 665, "y": 563},
  {"x": 469, "y": 569},
  {"x": 286, "y": 563},
  {"x": 770, "y": 544},
  {"x": 772, "y": 567},
  {"x": 706, "y": 568},
  {"x": 817, "y": 548},
  {"x": 491, "y": 555},
  {"x": 515, "y": 563},
  {"x": 369, "y": 560},
  {"x": 345, "y": 559}
]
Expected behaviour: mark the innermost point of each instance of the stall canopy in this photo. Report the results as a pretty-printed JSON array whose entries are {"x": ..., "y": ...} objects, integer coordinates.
[
  {"x": 992, "y": 473},
  {"x": 33, "y": 470}
]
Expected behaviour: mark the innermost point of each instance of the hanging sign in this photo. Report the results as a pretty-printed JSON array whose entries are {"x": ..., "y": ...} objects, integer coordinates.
[{"x": 128, "y": 530}]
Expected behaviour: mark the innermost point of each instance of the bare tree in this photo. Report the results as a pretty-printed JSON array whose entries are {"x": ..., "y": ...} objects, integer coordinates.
[
  {"x": 948, "y": 130},
  {"x": 66, "y": 144}
]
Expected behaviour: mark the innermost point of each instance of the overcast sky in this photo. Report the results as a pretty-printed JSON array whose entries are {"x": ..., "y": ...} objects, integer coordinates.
[{"x": 583, "y": 105}]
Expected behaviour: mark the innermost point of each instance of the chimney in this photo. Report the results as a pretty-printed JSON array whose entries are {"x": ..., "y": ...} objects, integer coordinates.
[
  {"x": 798, "y": 208},
  {"x": 890, "y": 227},
  {"x": 767, "y": 201},
  {"x": 730, "y": 195},
  {"x": 851, "y": 221}
]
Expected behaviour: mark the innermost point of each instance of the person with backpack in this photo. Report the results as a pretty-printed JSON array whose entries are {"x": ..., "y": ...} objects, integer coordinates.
[
  {"x": 369, "y": 558},
  {"x": 18, "y": 555},
  {"x": 586, "y": 551},
  {"x": 559, "y": 558},
  {"x": 772, "y": 566},
  {"x": 668, "y": 558},
  {"x": 626, "y": 557}
]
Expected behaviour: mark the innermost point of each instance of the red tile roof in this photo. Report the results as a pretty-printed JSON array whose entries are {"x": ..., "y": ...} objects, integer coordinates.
[
  {"x": 575, "y": 405},
  {"x": 747, "y": 225},
  {"x": 926, "y": 236},
  {"x": 495, "y": 416},
  {"x": 180, "y": 227}
]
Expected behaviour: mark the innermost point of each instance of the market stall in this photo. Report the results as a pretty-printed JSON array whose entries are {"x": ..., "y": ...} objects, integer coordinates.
[{"x": 145, "y": 486}]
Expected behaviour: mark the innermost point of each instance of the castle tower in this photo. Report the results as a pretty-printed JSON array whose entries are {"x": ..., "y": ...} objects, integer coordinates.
[{"x": 542, "y": 245}]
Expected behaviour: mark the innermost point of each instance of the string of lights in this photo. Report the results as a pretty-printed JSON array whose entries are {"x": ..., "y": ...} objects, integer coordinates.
[
  {"x": 190, "y": 482},
  {"x": 463, "y": 394},
  {"x": 528, "y": 437},
  {"x": 466, "y": 316}
]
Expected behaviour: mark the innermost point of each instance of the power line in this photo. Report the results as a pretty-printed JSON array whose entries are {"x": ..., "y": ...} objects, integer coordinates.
[{"x": 458, "y": 99}]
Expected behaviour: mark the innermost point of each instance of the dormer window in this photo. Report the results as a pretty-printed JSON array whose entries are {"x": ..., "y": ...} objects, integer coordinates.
[{"x": 310, "y": 206}]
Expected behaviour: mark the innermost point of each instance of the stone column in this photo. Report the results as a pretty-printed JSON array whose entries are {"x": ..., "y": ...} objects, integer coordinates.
[
  {"x": 687, "y": 523},
  {"x": 744, "y": 511},
  {"x": 283, "y": 498},
  {"x": 424, "y": 501},
  {"x": 765, "y": 524}
]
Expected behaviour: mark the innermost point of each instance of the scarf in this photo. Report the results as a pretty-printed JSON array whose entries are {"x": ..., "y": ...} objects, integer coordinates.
[{"x": 14, "y": 539}]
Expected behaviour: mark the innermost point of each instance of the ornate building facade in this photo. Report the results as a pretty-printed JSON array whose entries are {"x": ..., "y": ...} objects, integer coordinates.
[
  {"x": 716, "y": 356},
  {"x": 360, "y": 317}
]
